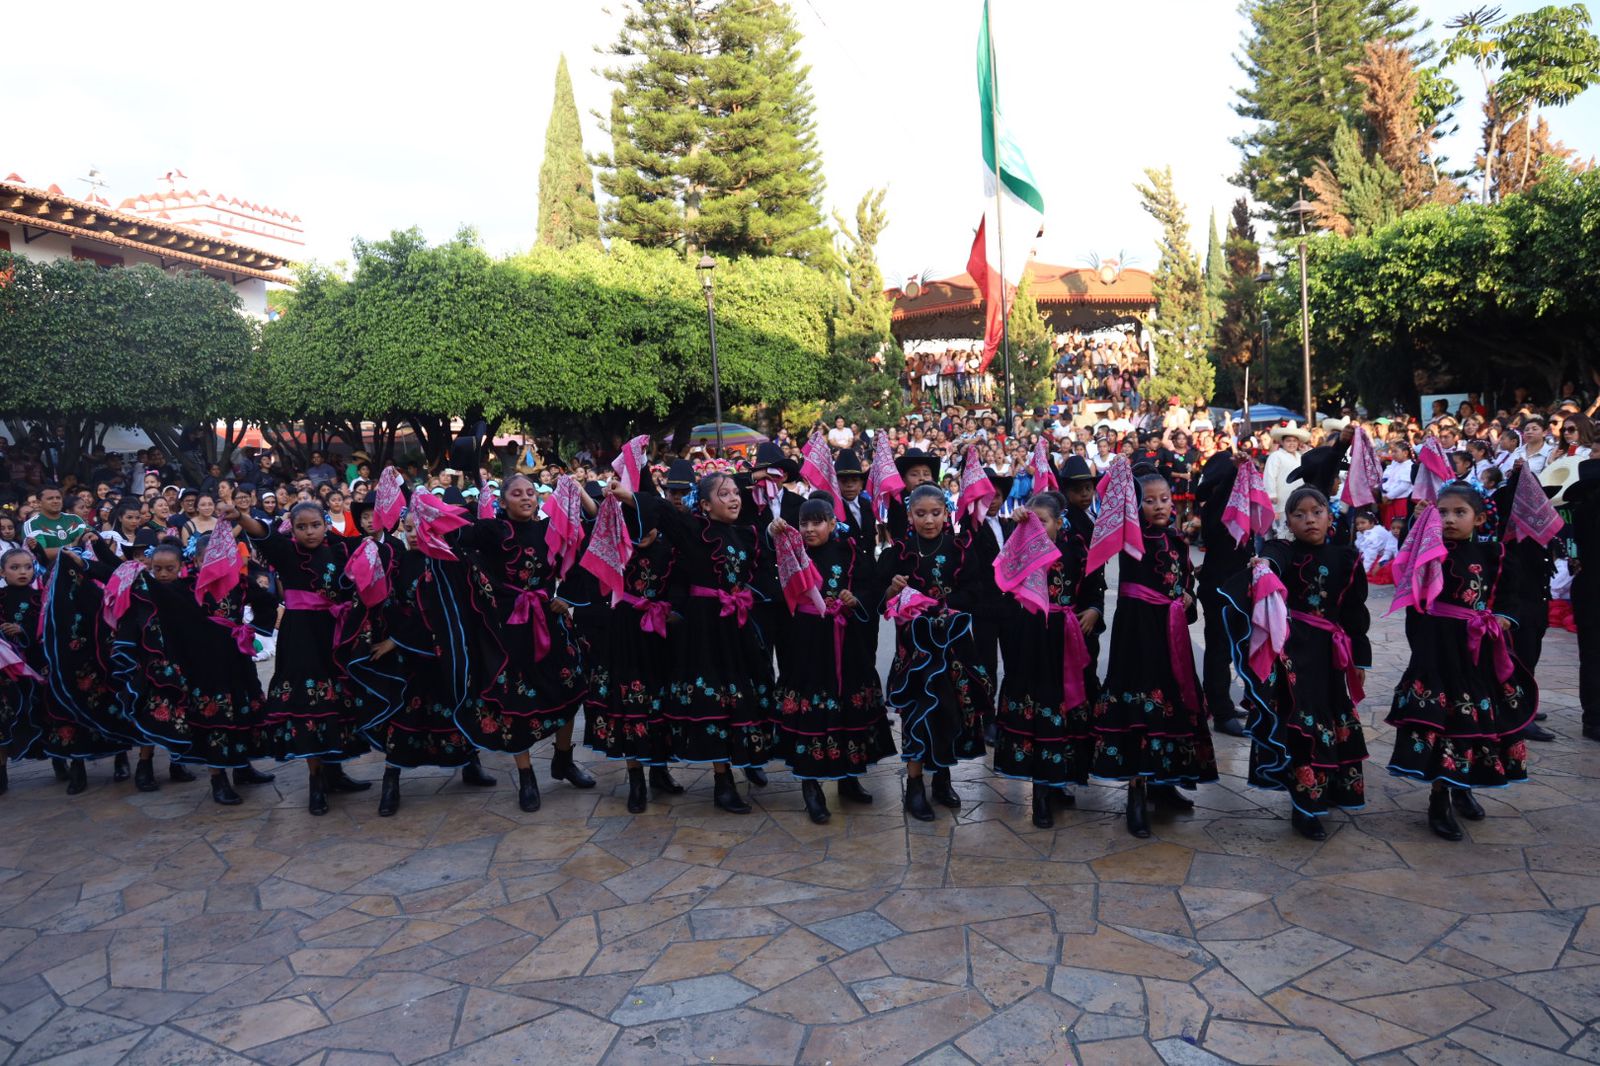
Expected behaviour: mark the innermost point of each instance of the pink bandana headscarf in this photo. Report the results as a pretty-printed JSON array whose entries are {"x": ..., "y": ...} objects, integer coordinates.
[
  {"x": 564, "y": 509},
  {"x": 1116, "y": 529},
  {"x": 1249, "y": 508},
  {"x": 365, "y": 571},
  {"x": 1363, "y": 484},
  {"x": 817, "y": 471},
  {"x": 118, "y": 592},
  {"x": 1269, "y": 618},
  {"x": 976, "y": 488},
  {"x": 435, "y": 519},
  {"x": 630, "y": 463},
  {"x": 1433, "y": 471},
  {"x": 884, "y": 480},
  {"x": 219, "y": 566},
  {"x": 1024, "y": 563},
  {"x": 1418, "y": 568},
  {"x": 610, "y": 549},
  {"x": 796, "y": 572},
  {"x": 388, "y": 500},
  {"x": 1044, "y": 478},
  {"x": 1533, "y": 517}
]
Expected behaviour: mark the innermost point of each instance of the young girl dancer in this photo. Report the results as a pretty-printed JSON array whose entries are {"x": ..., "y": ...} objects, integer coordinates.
[
  {"x": 1464, "y": 699},
  {"x": 1043, "y": 733},
  {"x": 830, "y": 715},
  {"x": 1303, "y": 681},
  {"x": 21, "y": 662},
  {"x": 1149, "y": 723},
  {"x": 934, "y": 684}
]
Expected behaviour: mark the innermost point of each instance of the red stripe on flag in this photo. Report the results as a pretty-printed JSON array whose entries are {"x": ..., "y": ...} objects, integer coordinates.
[{"x": 988, "y": 280}]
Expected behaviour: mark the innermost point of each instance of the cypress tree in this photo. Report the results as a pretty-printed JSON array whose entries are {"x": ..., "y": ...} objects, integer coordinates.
[
  {"x": 1216, "y": 273},
  {"x": 866, "y": 360},
  {"x": 714, "y": 143},
  {"x": 567, "y": 211},
  {"x": 1183, "y": 368}
]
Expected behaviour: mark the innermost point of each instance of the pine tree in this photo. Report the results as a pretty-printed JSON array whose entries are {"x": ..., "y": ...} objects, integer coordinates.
[
  {"x": 1216, "y": 273},
  {"x": 567, "y": 211},
  {"x": 866, "y": 360},
  {"x": 1300, "y": 87},
  {"x": 1183, "y": 369},
  {"x": 1353, "y": 195},
  {"x": 1032, "y": 354},
  {"x": 1238, "y": 331},
  {"x": 714, "y": 143}
]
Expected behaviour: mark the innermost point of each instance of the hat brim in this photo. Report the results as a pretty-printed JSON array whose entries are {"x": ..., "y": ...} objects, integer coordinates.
[{"x": 904, "y": 463}]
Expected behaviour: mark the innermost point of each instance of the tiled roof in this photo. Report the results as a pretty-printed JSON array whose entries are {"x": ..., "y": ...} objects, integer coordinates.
[{"x": 1050, "y": 285}]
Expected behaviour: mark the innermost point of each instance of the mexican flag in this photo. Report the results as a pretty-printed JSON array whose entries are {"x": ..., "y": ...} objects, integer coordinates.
[{"x": 1013, "y": 210}]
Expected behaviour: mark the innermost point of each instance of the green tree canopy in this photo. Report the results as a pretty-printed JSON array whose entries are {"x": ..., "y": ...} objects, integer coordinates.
[
  {"x": 714, "y": 144},
  {"x": 866, "y": 359},
  {"x": 1032, "y": 354},
  {"x": 1183, "y": 368},
  {"x": 567, "y": 211}
]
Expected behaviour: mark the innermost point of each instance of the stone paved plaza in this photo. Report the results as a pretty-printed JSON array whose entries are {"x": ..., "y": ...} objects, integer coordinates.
[{"x": 161, "y": 929}]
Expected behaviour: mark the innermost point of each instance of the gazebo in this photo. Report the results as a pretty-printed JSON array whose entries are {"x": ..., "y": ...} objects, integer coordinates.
[{"x": 1069, "y": 298}]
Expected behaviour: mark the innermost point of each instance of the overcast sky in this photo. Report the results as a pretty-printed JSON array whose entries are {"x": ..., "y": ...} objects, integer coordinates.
[{"x": 363, "y": 118}]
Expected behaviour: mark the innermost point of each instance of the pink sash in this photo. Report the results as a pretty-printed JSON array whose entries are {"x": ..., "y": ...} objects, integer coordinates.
[
  {"x": 301, "y": 600},
  {"x": 1481, "y": 626},
  {"x": 243, "y": 636},
  {"x": 832, "y": 609},
  {"x": 1178, "y": 649},
  {"x": 529, "y": 607},
  {"x": 655, "y": 612},
  {"x": 1074, "y": 657},
  {"x": 1343, "y": 655},
  {"x": 736, "y": 603}
]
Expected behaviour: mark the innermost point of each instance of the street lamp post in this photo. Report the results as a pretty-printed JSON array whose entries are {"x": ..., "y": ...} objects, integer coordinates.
[
  {"x": 704, "y": 269},
  {"x": 1300, "y": 209}
]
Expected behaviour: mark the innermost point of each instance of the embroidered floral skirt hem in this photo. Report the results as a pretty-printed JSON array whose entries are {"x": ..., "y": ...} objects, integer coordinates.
[
  {"x": 622, "y": 716},
  {"x": 1307, "y": 746},
  {"x": 422, "y": 733},
  {"x": 1042, "y": 743},
  {"x": 1142, "y": 734},
  {"x": 823, "y": 737}
]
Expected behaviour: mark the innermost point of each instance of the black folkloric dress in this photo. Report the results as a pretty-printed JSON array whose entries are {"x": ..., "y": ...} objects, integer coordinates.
[
  {"x": 718, "y": 701},
  {"x": 1039, "y": 735},
  {"x": 81, "y": 719},
  {"x": 831, "y": 719},
  {"x": 313, "y": 709},
  {"x": 426, "y": 679},
  {"x": 632, "y": 659},
  {"x": 1456, "y": 720},
  {"x": 1306, "y": 736},
  {"x": 21, "y": 697},
  {"x": 183, "y": 680},
  {"x": 527, "y": 689},
  {"x": 1145, "y": 724},
  {"x": 935, "y": 683}
]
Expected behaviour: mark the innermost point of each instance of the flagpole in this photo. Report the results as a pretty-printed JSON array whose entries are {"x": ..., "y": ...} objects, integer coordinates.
[{"x": 999, "y": 226}]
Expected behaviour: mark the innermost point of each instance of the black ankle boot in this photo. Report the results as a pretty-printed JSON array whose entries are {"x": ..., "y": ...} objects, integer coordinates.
[
  {"x": 1138, "y": 817},
  {"x": 850, "y": 788},
  {"x": 1307, "y": 825},
  {"x": 60, "y": 767},
  {"x": 249, "y": 775},
  {"x": 661, "y": 780},
  {"x": 1441, "y": 819},
  {"x": 389, "y": 798},
  {"x": 77, "y": 776},
  {"x": 179, "y": 772},
  {"x": 725, "y": 794},
  {"x": 472, "y": 774},
  {"x": 756, "y": 776},
  {"x": 119, "y": 767},
  {"x": 916, "y": 801},
  {"x": 944, "y": 792},
  {"x": 1169, "y": 796},
  {"x": 816, "y": 804},
  {"x": 636, "y": 790},
  {"x": 144, "y": 776},
  {"x": 527, "y": 789},
  {"x": 316, "y": 797},
  {"x": 1466, "y": 804},
  {"x": 1042, "y": 818},
  {"x": 222, "y": 792},
  {"x": 563, "y": 768},
  {"x": 336, "y": 780}
]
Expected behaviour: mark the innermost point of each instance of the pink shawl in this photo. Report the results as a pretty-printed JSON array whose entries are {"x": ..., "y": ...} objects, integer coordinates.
[
  {"x": 1433, "y": 471},
  {"x": 1044, "y": 478},
  {"x": 1269, "y": 618},
  {"x": 1249, "y": 508},
  {"x": 884, "y": 480},
  {"x": 908, "y": 605},
  {"x": 388, "y": 500},
  {"x": 13, "y": 665},
  {"x": 434, "y": 519},
  {"x": 1532, "y": 517},
  {"x": 1363, "y": 484},
  {"x": 630, "y": 462},
  {"x": 976, "y": 488},
  {"x": 1024, "y": 563},
  {"x": 1116, "y": 529},
  {"x": 486, "y": 502},
  {"x": 1418, "y": 568},
  {"x": 219, "y": 566},
  {"x": 610, "y": 549},
  {"x": 564, "y": 509},
  {"x": 796, "y": 572},
  {"x": 118, "y": 591},
  {"x": 817, "y": 471},
  {"x": 365, "y": 571}
]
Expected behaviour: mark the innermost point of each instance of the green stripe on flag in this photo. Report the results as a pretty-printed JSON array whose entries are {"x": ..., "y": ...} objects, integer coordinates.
[{"x": 1013, "y": 169}]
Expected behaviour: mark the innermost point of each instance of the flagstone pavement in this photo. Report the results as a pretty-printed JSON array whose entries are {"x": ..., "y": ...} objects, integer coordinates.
[{"x": 162, "y": 929}]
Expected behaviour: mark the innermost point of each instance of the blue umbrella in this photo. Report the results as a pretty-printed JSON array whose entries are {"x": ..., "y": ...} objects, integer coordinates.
[{"x": 1270, "y": 412}]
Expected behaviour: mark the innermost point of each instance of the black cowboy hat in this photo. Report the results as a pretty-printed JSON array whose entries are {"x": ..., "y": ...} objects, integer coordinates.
[
  {"x": 593, "y": 490},
  {"x": 552, "y": 461},
  {"x": 361, "y": 507},
  {"x": 848, "y": 464},
  {"x": 771, "y": 456},
  {"x": 916, "y": 457},
  {"x": 680, "y": 475},
  {"x": 1588, "y": 481},
  {"x": 1001, "y": 482},
  {"x": 1076, "y": 468},
  {"x": 1319, "y": 468}
]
